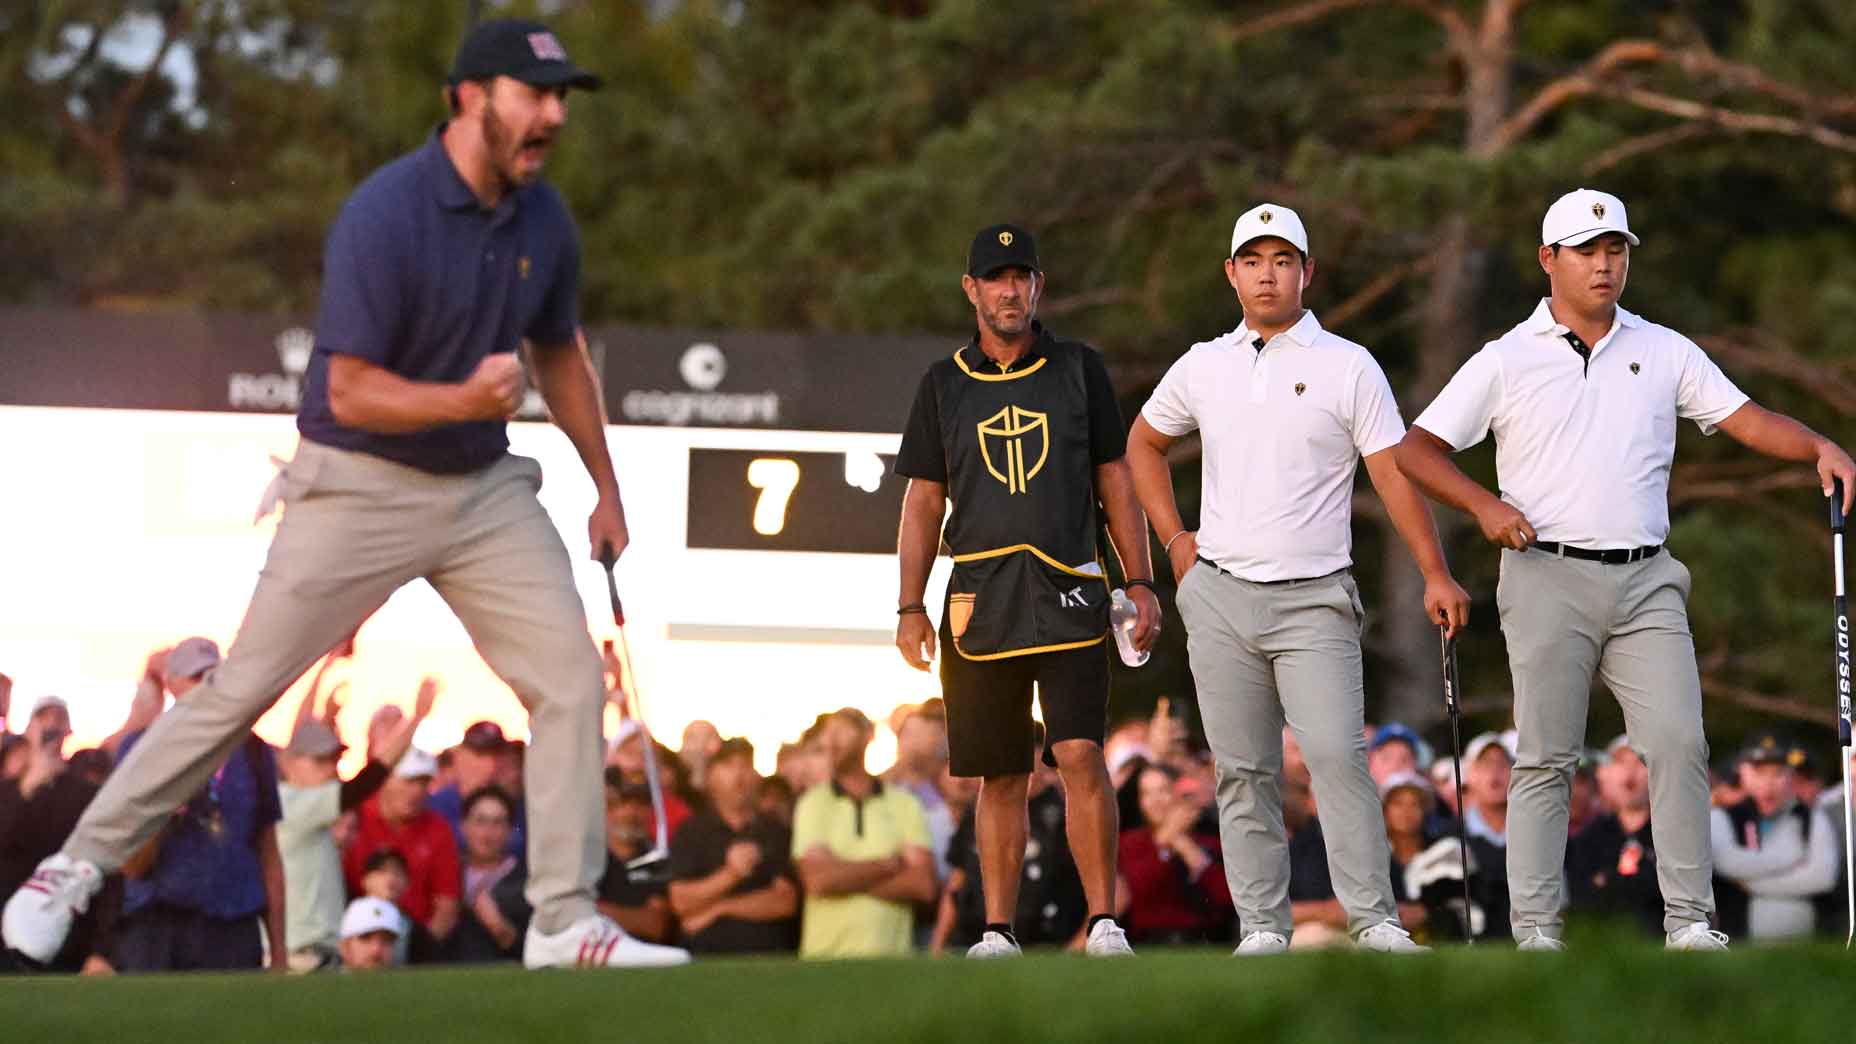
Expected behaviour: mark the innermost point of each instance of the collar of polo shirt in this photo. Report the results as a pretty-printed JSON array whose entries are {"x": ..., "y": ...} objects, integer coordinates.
[
  {"x": 1543, "y": 323},
  {"x": 1302, "y": 334},
  {"x": 974, "y": 360},
  {"x": 449, "y": 186}
]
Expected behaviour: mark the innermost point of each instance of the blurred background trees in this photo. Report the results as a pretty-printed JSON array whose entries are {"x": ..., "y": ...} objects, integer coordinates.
[{"x": 820, "y": 165}]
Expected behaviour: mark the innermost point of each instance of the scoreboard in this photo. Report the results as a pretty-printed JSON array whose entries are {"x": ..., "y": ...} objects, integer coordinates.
[
  {"x": 771, "y": 500},
  {"x": 760, "y": 585}
]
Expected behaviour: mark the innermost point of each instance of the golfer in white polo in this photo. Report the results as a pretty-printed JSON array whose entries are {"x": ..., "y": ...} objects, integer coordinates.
[
  {"x": 1286, "y": 411},
  {"x": 1582, "y": 398}
]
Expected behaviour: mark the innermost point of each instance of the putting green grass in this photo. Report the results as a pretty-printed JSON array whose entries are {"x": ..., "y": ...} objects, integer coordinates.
[{"x": 1601, "y": 991}]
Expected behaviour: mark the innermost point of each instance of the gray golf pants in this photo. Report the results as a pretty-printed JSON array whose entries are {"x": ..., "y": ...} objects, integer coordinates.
[
  {"x": 356, "y": 529},
  {"x": 1263, "y": 655},
  {"x": 1565, "y": 619}
]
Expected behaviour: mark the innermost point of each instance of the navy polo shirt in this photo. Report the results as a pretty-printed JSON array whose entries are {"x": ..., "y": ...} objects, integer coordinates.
[{"x": 419, "y": 279}]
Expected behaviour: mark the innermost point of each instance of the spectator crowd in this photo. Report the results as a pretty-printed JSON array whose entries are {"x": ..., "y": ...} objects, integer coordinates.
[{"x": 420, "y": 856}]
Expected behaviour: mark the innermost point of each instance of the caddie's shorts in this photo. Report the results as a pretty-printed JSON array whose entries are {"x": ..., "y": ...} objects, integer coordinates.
[{"x": 989, "y": 727}]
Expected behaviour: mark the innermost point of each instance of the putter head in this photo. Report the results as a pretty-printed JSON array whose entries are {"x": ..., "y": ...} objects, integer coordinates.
[
  {"x": 653, "y": 865},
  {"x": 651, "y": 858}
]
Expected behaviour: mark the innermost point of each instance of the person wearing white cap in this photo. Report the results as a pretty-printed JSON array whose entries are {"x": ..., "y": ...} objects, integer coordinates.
[
  {"x": 313, "y": 797},
  {"x": 1583, "y": 399},
  {"x": 1611, "y": 864},
  {"x": 1286, "y": 411},
  {"x": 371, "y": 931},
  {"x": 1485, "y": 788},
  {"x": 398, "y": 818}
]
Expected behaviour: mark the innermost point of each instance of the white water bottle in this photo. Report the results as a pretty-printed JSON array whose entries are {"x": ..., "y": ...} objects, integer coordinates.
[{"x": 1122, "y": 617}]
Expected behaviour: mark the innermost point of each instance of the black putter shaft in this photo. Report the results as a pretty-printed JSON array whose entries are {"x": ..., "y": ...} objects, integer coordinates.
[
  {"x": 1453, "y": 709},
  {"x": 1841, "y": 679}
]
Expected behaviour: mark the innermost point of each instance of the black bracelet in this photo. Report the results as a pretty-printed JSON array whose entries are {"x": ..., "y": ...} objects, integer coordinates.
[
  {"x": 912, "y": 607},
  {"x": 1149, "y": 584}
]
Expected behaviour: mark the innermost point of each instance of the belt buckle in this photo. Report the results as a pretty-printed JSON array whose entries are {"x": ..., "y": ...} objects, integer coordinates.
[{"x": 1559, "y": 549}]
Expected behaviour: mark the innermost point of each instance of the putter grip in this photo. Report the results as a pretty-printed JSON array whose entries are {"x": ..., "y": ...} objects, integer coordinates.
[
  {"x": 608, "y": 559},
  {"x": 1836, "y": 505}
]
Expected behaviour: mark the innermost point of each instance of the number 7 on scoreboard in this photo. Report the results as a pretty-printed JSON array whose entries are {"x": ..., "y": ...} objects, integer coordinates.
[{"x": 776, "y": 478}]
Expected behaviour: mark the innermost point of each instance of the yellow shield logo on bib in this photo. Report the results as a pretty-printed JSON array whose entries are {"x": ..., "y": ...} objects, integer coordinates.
[{"x": 1010, "y": 438}]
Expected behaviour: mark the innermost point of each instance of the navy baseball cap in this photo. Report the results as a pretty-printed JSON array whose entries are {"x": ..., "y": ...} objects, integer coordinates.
[
  {"x": 1001, "y": 246},
  {"x": 521, "y": 50},
  {"x": 1394, "y": 732}
]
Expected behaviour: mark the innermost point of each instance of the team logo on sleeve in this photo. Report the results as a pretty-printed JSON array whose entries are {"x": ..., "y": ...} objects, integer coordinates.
[
  {"x": 1636, "y": 368},
  {"x": 1300, "y": 387},
  {"x": 1006, "y": 439}
]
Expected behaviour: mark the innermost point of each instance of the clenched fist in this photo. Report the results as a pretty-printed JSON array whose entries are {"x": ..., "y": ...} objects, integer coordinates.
[{"x": 494, "y": 389}]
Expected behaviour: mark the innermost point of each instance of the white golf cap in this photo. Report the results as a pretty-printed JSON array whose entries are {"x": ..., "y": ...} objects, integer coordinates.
[
  {"x": 1583, "y": 215},
  {"x": 49, "y": 700},
  {"x": 416, "y": 764},
  {"x": 628, "y": 728},
  {"x": 368, "y": 915},
  {"x": 1484, "y": 742},
  {"x": 1269, "y": 219},
  {"x": 1404, "y": 780}
]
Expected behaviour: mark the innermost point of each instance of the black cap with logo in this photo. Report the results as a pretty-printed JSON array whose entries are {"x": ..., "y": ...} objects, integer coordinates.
[
  {"x": 1001, "y": 246},
  {"x": 1772, "y": 748},
  {"x": 522, "y": 50}
]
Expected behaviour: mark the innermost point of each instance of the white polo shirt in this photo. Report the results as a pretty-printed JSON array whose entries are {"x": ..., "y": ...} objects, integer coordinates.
[
  {"x": 1582, "y": 450},
  {"x": 1284, "y": 429}
]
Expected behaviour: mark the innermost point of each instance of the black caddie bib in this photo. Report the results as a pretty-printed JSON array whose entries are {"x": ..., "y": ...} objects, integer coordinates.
[{"x": 1023, "y": 528}]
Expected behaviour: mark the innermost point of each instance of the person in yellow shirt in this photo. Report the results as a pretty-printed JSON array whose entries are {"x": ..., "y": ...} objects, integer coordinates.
[{"x": 863, "y": 854}]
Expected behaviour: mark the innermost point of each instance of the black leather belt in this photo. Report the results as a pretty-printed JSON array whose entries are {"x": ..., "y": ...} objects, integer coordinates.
[
  {"x": 1612, "y": 556},
  {"x": 1263, "y": 583}
]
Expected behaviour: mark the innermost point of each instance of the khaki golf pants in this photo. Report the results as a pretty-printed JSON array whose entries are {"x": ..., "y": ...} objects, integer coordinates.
[
  {"x": 1564, "y": 620},
  {"x": 1263, "y": 655},
  {"x": 356, "y": 528}
]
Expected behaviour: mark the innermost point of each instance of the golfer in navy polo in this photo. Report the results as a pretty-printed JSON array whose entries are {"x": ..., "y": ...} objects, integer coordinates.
[{"x": 440, "y": 267}]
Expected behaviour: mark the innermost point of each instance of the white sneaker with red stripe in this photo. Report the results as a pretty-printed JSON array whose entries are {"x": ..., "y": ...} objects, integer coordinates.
[
  {"x": 39, "y": 915},
  {"x": 595, "y": 942}
]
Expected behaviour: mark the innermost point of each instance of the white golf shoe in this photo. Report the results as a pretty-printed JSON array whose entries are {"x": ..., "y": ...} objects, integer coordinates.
[
  {"x": 994, "y": 946},
  {"x": 1107, "y": 939},
  {"x": 39, "y": 915},
  {"x": 1388, "y": 937},
  {"x": 595, "y": 942},
  {"x": 1261, "y": 943},
  {"x": 1696, "y": 938},
  {"x": 1540, "y": 942}
]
